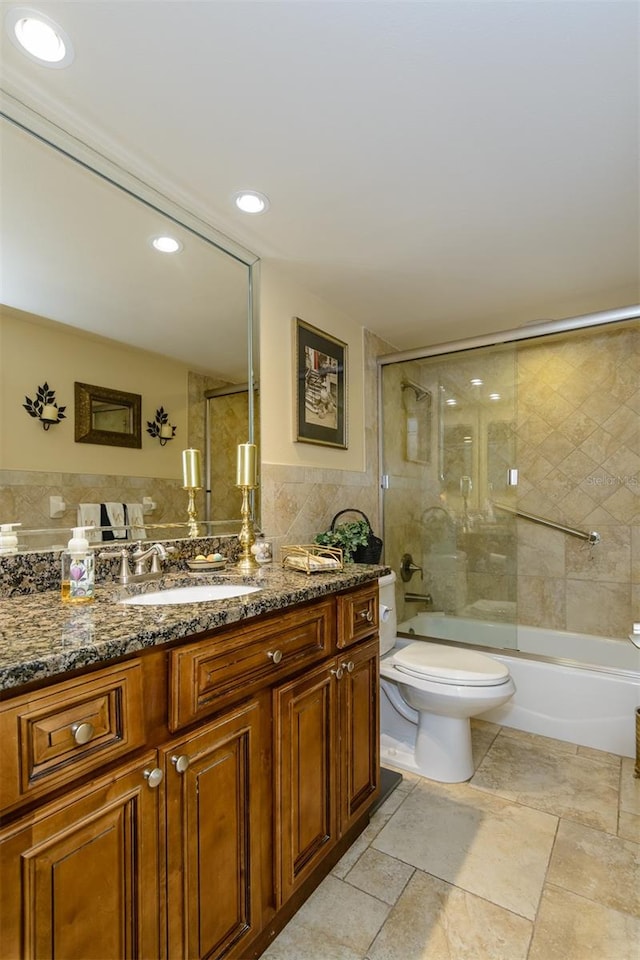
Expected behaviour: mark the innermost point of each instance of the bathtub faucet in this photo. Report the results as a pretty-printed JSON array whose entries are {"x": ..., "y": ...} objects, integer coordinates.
[{"x": 425, "y": 598}]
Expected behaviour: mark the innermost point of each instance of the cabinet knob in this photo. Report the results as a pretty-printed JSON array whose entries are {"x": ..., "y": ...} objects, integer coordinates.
[
  {"x": 82, "y": 732},
  {"x": 348, "y": 665},
  {"x": 181, "y": 763},
  {"x": 153, "y": 777},
  {"x": 366, "y": 615},
  {"x": 275, "y": 655},
  {"x": 338, "y": 673}
]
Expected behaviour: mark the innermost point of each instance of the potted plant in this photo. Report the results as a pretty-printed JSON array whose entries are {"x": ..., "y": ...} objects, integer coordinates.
[{"x": 348, "y": 536}]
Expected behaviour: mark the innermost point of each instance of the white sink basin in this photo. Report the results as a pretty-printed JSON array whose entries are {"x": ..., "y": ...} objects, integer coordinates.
[{"x": 195, "y": 594}]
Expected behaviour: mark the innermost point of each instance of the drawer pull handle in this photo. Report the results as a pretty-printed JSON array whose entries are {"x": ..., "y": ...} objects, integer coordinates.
[
  {"x": 275, "y": 655},
  {"x": 366, "y": 615},
  {"x": 153, "y": 777},
  {"x": 82, "y": 733},
  {"x": 348, "y": 665},
  {"x": 338, "y": 673},
  {"x": 181, "y": 763}
]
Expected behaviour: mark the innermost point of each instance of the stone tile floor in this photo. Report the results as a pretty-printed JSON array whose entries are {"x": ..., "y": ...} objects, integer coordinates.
[{"x": 537, "y": 857}]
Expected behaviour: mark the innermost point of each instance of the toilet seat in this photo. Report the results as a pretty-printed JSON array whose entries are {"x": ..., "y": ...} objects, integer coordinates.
[{"x": 452, "y": 665}]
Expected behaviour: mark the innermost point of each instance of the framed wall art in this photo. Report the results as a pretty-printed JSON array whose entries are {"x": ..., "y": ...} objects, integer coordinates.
[{"x": 321, "y": 386}]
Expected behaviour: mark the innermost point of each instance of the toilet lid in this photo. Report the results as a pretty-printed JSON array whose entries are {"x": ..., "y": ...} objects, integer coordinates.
[{"x": 434, "y": 661}]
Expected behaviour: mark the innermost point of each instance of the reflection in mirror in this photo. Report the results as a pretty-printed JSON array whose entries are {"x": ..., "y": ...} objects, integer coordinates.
[
  {"x": 108, "y": 417},
  {"x": 96, "y": 303}
]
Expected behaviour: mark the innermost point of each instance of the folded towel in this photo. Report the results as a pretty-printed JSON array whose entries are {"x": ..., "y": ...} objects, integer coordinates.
[
  {"x": 89, "y": 516},
  {"x": 135, "y": 517},
  {"x": 115, "y": 513}
]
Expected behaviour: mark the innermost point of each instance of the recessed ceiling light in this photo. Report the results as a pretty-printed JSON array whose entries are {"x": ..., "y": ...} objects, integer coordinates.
[
  {"x": 250, "y": 201},
  {"x": 166, "y": 244},
  {"x": 451, "y": 402},
  {"x": 39, "y": 37},
  {"x": 476, "y": 382},
  {"x": 494, "y": 396}
]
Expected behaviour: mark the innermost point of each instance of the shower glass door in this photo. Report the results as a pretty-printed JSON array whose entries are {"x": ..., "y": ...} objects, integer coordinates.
[{"x": 448, "y": 446}]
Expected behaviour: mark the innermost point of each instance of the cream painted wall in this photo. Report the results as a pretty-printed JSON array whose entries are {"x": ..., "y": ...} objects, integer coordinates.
[
  {"x": 34, "y": 352},
  {"x": 280, "y": 301}
]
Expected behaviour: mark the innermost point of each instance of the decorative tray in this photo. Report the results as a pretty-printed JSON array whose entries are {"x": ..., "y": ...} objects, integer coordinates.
[
  {"x": 204, "y": 565},
  {"x": 312, "y": 558}
]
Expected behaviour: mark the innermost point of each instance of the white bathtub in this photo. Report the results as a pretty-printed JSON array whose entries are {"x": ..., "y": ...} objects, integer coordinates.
[{"x": 590, "y": 700}]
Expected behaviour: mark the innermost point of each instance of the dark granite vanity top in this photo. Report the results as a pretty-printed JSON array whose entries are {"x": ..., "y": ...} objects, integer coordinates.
[{"x": 40, "y": 636}]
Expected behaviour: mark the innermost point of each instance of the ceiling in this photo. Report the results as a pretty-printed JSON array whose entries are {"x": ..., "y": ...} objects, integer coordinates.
[{"x": 436, "y": 170}]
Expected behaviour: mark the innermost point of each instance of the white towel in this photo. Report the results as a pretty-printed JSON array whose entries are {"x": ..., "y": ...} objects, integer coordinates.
[
  {"x": 89, "y": 516},
  {"x": 115, "y": 512},
  {"x": 137, "y": 529}
]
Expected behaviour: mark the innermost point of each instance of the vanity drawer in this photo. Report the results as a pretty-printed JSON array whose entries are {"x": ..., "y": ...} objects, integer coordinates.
[
  {"x": 357, "y": 614},
  {"x": 213, "y": 672},
  {"x": 69, "y": 729}
]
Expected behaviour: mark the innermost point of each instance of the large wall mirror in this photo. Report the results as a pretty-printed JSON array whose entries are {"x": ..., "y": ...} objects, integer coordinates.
[{"x": 86, "y": 298}]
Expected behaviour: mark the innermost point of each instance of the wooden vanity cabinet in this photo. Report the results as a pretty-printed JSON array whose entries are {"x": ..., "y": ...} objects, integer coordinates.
[
  {"x": 80, "y": 876},
  {"x": 217, "y": 814},
  {"x": 199, "y": 812},
  {"x": 326, "y": 760}
]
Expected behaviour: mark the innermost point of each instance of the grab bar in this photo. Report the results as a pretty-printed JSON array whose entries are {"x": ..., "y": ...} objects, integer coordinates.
[{"x": 590, "y": 537}]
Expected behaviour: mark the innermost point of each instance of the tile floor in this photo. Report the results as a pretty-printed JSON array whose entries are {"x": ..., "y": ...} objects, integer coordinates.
[{"x": 537, "y": 857}]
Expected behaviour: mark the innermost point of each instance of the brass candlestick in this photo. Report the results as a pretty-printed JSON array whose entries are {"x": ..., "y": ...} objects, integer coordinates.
[
  {"x": 246, "y": 538},
  {"x": 191, "y": 511}
]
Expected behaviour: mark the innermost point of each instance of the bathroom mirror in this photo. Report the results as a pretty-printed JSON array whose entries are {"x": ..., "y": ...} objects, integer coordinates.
[{"x": 87, "y": 297}]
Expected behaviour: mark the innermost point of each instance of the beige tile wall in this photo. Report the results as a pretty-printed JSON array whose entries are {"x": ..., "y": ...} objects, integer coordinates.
[{"x": 578, "y": 449}]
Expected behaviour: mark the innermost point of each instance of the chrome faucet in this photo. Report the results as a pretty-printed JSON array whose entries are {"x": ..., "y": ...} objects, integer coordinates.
[{"x": 156, "y": 551}]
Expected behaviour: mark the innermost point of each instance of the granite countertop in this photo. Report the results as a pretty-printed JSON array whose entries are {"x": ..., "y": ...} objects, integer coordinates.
[{"x": 41, "y": 637}]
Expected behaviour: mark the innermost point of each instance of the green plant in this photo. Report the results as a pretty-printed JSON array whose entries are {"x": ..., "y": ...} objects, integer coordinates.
[{"x": 348, "y": 536}]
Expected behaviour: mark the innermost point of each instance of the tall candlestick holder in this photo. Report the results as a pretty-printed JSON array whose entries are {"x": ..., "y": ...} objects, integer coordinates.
[
  {"x": 247, "y": 563},
  {"x": 191, "y": 511}
]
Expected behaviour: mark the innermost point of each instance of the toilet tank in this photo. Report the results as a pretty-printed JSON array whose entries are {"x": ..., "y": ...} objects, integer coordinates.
[{"x": 388, "y": 615}]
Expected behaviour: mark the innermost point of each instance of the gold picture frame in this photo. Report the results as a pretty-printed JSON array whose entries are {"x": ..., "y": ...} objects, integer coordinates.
[{"x": 107, "y": 417}]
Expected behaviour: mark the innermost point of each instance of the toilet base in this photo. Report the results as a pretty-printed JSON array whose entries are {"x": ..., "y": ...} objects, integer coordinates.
[{"x": 443, "y": 748}]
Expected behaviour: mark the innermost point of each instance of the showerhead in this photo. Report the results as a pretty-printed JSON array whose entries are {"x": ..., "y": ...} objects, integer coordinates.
[{"x": 421, "y": 392}]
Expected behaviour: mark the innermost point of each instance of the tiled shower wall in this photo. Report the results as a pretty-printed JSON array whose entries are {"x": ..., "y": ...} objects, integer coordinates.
[
  {"x": 575, "y": 438},
  {"x": 578, "y": 450}
]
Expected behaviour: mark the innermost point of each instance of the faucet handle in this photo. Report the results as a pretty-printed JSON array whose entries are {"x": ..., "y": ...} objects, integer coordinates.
[{"x": 124, "y": 570}]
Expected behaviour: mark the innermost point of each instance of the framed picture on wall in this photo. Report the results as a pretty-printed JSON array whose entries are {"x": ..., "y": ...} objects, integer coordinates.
[{"x": 321, "y": 386}]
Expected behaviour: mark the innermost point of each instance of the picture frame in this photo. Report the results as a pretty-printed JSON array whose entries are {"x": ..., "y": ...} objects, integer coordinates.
[
  {"x": 321, "y": 386},
  {"x": 107, "y": 417}
]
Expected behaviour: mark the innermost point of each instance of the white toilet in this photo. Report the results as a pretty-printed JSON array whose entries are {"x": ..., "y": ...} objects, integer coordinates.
[{"x": 429, "y": 692}]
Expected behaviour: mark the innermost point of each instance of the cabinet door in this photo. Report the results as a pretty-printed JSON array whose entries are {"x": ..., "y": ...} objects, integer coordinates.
[
  {"x": 80, "y": 876},
  {"x": 306, "y": 775},
  {"x": 214, "y": 810},
  {"x": 359, "y": 730}
]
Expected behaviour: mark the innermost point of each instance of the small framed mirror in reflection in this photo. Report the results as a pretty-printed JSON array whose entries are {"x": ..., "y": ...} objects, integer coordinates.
[{"x": 108, "y": 417}]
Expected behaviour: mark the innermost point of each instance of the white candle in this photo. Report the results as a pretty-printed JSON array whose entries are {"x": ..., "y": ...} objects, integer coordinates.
[
  {"x": 247, "y": 465},
  {"x": 191, "y": 468},
  {"x": 166, "y": 431},
  {"x": 49, "y": 412}
]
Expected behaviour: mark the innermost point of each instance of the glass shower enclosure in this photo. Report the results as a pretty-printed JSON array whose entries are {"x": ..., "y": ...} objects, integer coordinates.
[
  {"x": 448, "y": 437},
  {"x": 511, "y": 481}
]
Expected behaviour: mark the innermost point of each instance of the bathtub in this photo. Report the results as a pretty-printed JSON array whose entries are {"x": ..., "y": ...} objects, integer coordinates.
[{"x": 574, "y": 687}]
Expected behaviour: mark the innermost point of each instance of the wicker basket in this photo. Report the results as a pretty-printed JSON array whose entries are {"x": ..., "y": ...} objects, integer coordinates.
[{"x": 369, "y": 552}]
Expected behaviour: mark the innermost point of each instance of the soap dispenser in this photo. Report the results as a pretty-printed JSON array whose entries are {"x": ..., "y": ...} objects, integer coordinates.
[
  {"x": 78, "y": 569},
  {"x": 8, "y": 539}
]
